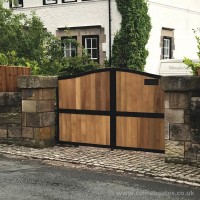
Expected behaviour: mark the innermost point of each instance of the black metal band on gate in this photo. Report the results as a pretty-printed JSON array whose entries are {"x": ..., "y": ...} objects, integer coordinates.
[
  {"x": 109, "y": 113},
  {"x": 113, "y": 109},
  {"x": 84, "y": 112},
  {"x": 140, "y": 114},
  {"x": 57, "y": 116}
]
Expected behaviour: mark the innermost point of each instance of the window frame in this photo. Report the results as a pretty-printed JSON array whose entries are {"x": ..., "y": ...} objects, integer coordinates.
[
  {"x": 68, "y": 1},
  {"x": 170, "y": 47},
  {"x": 70, "y": 49},
  {"x": 46, "y": 3},
  {"x": 84, "y": 37}
]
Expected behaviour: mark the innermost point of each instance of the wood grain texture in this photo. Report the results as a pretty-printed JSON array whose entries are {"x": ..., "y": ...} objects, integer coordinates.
[
  {"x": 8, "y": 77},
  {"x": 91, "y": 129},
  {"x": 89, "y": 92},
  {"x": 134, "y": 96},
  {"x": 147, "y": 133},
  {"x": 92, "y": 92}
]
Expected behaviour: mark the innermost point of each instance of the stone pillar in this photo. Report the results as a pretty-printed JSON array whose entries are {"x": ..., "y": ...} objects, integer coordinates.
[
  {"x": 180, "y": 143},
  {"x": 38, "y": 109}
]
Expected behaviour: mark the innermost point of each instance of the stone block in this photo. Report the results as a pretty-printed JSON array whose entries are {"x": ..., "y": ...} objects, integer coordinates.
[
  {"x": 38, "y": 94},
  {"x": 36, "y": 133},
  {"x": 167, "y": 130},
  {"x": 3, "y": 109},
  {"x": 45, "y": 133},
  {"x": 180, "y": 132},
  {"x": 191, "y": 156},
  {"x": 6, "y": 109},
  {"x": 48, "y": 119},
  {"x": 174, "y": 149},
  {"x": 14, "y": 131},
  {"x": 29, "y": 106},
  {"x": 187, "y": 119},
  {"x": 22, "y": 81},
  {"x": 48, "y": 94},
  {"x": 27, "y": 132},
  {"x": 13, "y": 99},
  {"x": 23, "y": 92},
  {"x": 198, "y": 159},
  {"x": 37, "y": 82},
  {"x": 166, "y": 101},
  {"x": 195, "y": 148},
  {"x": 179, "y": 100},
  {"x": 53, "y": 105},
  {"x": 188, "y": 145},
  {"x": 10, "y": 118},
  {"x": 2, "y": 99},
  {"x": 23, "y": 119},
  {"x": 180, "y": 83},
  {"x": 53, "y": 132},
  {"x": 3, "y": 131},
  {"x": 174, "y": 116},
  {"x": 34, "y": 120},
  {"x": 195, "y": 105},
  {"x": 32, "y": 94},
  {"x": 44, "y": 106},
  {"x": 195, "y": 135}
]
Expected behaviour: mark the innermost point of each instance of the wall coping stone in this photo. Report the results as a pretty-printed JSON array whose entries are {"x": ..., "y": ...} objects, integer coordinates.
[
  {"x": 180, "y": 83},
  {"x": 24, "y": 82}
]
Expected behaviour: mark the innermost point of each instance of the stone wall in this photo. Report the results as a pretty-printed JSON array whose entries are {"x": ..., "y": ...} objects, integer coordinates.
[
  {"x": 28, "y": 118},
  {"x": 182, "y": 119},
  {"x": 10, "y": 116}
]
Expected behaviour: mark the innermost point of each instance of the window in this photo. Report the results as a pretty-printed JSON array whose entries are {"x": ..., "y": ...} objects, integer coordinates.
[
  {"x": 69, "y": 46},
  {"x": 16, "y": 4},
  {"x": 46, "y": 2},
  {"x": 167, "y": 47},
  {"x": 167, "y": 44},
  {"x": 91, "y": 44}
]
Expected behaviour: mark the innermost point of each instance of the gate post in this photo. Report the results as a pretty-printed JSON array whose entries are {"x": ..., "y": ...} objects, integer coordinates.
[
  {"x": 38, "y": 109},
  {"x": 182, "y": 115}
]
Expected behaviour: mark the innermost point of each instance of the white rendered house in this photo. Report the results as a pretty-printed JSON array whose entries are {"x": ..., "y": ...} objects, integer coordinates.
[{"x": 94, "y": 23}]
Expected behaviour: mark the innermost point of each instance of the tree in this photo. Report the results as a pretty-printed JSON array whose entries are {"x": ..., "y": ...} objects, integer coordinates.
[
  {"x": 128, "y": 49},
  {"x": 25, "y": 41}
]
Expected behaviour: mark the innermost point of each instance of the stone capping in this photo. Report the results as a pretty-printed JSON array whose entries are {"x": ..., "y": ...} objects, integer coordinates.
[
  {"x": 180, "y": 83},
  {"x": 24, "y": 82}
]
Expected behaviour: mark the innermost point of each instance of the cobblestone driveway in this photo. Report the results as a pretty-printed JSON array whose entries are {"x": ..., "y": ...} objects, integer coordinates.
[{"x": 139, "y": 163}]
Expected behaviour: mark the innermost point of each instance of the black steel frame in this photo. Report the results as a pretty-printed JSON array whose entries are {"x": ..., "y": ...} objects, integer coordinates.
[{"x": 113, "y": 113}]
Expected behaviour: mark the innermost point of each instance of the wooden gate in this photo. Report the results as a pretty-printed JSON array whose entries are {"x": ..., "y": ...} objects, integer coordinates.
[{"x": 111, "y": 107}]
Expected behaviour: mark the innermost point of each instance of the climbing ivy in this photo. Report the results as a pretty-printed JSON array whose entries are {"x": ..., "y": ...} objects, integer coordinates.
[{"x": 128, "y": 49}]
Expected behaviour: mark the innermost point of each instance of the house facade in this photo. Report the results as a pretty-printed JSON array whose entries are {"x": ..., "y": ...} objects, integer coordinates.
[{"x": 93, "y": 23}]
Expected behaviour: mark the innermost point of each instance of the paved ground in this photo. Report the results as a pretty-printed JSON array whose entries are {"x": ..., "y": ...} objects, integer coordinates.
[
  {"x": 134, "y": 162},
  {"x": 31, "y": 179}
]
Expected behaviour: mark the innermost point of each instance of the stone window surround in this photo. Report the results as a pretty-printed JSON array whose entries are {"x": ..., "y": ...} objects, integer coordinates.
[
  {"x": 167, "y": 33},
  {"x": 81, "y": 31},
  {"x": 20, "y": 4}
]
